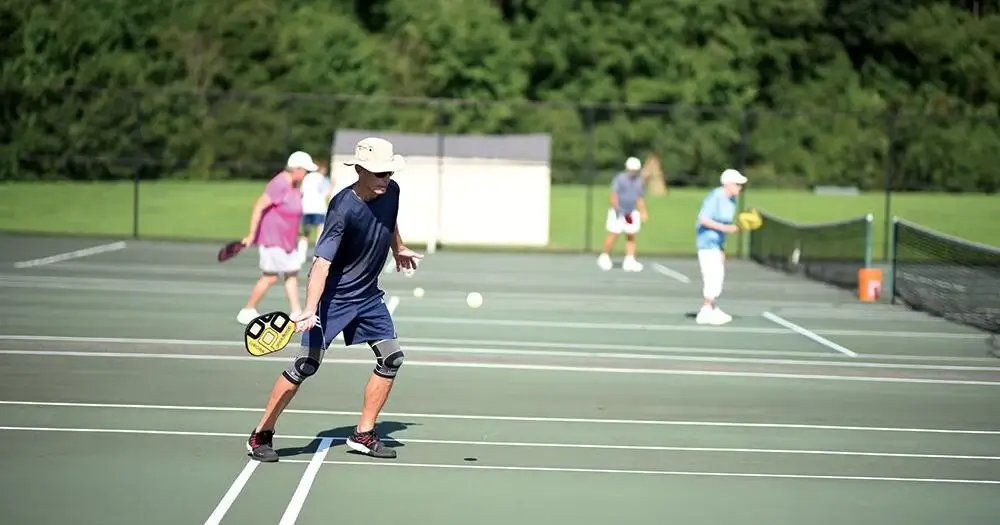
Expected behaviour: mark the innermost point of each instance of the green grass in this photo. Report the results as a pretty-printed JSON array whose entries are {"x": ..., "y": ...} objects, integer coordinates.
[{"x": 219, "y": 210}]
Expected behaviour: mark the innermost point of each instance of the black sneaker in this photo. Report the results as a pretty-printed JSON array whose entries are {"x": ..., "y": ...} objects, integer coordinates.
[
  {"x": 260, "y": 446},
  {"x": 369, "y": 444}
]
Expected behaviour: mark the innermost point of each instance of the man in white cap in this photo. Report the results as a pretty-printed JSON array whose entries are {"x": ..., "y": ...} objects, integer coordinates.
[
  {"x": 343, "y": 296},
  {"x": 274, "y": 228},
  {"x": 715, "y": 221},
  {"x": 626, "y": 214}
]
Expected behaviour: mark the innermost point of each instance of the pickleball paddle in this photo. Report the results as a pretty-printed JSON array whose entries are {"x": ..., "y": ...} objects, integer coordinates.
[
  {"x": 268, "y": 333},
  {"x": 230, "y": 250}
]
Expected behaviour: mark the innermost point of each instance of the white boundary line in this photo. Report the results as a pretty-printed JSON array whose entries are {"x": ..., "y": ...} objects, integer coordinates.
[
  {"x": 305, "y": 483},
  {"x": 523, "y": 419},
  {"x": 673, "y": 274},
  {"x": 522, "y": 366},
  {"x": 808, "y": 334},
  {"x": 661, "y": 472},
  {"x": 326, "y": 443},
  {"x": 227, "y": 499},
  {"x": 682, "y": 328},
  {"x": 75, "y": 254},
  {"x": 473, "y": 351},
  {"x": 463, "y": 344},
  {"x": 318, "y": 459}
]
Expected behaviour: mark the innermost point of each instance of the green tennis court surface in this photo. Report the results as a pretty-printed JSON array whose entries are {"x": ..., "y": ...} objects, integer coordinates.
[{"x": 572, "y": 395}]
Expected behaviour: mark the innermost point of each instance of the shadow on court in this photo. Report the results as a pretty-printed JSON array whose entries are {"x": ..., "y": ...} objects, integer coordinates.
[{"x": 385, "y": 429}]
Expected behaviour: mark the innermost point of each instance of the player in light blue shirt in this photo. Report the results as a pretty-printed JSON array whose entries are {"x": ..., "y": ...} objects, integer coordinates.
[{"x": 715, "y": 222}]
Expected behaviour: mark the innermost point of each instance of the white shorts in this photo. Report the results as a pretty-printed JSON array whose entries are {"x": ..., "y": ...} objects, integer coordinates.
[
  {"x": 276, "y": 260},
  {"x": 616, "y": 224},
  {"x": 713, "y": 271}
]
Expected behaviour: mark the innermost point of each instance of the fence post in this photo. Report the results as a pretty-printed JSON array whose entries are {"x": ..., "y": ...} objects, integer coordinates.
[
  {"x": 890, "y": 256},
  {"x": 588, "y": 210},
  {"x": 742, "y": 163},
  {"x": 890, "y": 133},
  {"x": 136, "y": 165}
]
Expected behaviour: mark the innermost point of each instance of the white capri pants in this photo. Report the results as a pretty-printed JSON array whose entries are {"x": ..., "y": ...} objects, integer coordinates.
[
  {"x": 713, "y": 272},
  {"x": 274, "y": 259},
  {"x": 616, "y": 224}
]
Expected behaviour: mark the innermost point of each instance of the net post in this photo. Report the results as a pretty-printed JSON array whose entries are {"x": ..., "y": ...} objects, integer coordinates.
[
  {"x": 891, "y": 258},
  {"x": 869, "y": 219}
]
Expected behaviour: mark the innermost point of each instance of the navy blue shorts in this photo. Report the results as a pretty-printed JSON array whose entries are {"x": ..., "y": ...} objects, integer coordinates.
[
  {"x": 366, "y": 321},
  {"x": 312, "y": 219}
]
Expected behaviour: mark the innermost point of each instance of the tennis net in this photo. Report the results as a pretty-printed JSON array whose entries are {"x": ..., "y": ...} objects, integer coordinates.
[
  {"x": 946, "y": 276},
  {"x": 831, "y": 253}
]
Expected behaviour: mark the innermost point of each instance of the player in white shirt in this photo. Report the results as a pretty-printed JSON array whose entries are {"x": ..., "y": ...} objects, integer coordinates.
[{"x": 317, "y": 190}]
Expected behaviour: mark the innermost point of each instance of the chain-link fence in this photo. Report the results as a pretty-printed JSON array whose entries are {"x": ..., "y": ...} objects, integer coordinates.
[{"x": 189, "y": 164}]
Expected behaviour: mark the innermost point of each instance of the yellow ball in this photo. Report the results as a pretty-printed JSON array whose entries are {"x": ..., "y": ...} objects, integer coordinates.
[
  {"x": 418, "y": 292},
  {"x": 474, "y": 300}
]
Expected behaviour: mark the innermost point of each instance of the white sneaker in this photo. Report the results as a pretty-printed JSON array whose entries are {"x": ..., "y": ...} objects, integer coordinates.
[
  {"x": 721, "y": 317},
  {"x": 604, "y": 262},
  {"x": 631, "y": 265},
  {"x": 712, "y": 316},
  {"x": 704, "y": 315},
  {"x": 246, "y": 315}
]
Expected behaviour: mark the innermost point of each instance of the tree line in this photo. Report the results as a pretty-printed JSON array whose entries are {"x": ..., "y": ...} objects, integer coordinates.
[{"x": 813, "y": 92}]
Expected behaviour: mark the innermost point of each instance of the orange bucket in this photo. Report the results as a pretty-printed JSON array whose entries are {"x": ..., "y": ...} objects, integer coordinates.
[{"x": 869, "y": 284}]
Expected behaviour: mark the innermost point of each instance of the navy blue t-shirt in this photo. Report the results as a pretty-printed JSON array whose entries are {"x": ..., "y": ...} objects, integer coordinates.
[{"x": 356, "y": 239}]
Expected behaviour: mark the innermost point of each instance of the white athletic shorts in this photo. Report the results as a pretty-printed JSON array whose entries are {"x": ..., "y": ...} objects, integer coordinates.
[
  {"x": 274, "y": 259},
  {"x": 616, "y": 224}
]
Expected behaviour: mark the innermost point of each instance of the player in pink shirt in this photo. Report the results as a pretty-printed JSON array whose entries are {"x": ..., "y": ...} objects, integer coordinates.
[{"x": 274, "y": 228}]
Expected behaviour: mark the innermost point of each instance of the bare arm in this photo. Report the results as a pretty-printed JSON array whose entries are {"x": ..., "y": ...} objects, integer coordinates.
[
  {"x": 318, "y": 273},
  {"x": 397, "y": 241},
  {"x": 263, "y": 202}
]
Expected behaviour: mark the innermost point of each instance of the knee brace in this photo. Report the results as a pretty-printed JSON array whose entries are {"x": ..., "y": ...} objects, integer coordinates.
[
  {"x": 302, "y": 368},
  {"x": 388, "y": 358}
]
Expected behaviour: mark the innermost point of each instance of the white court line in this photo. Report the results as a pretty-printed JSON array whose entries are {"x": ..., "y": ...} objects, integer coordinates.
[
  {"x": 681, "y": 328},
  {"x": 326, "y": 443},
  {"x": 75, "y": 254},
  {"x": 821, "y": 361},
  {"x": 659, "y": 472},
  {"x": 462, "y": 344},
  {"x": 523, "y": 419},
  {"x": 314, "y": 465},
  {"x": 677, "y": 276},
  {"x": 516, "y": 366},
  {"x": 808, "y": 334},
  {"x": 305, "y": 483},
  {"x": 227, "y": 499}
]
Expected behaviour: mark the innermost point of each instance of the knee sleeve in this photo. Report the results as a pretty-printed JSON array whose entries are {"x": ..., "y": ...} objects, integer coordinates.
[
  {"x": 388, "y": 358},
  {"x": 303, "y": 367}
]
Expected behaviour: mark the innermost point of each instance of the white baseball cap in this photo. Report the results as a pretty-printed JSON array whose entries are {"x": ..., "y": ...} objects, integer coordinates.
[
  {"x": 376, "y": 155},
  {"x": 633, "y": 164},
  {"x": 301, "y": 159},
  {"x": 732, "y": 176}
]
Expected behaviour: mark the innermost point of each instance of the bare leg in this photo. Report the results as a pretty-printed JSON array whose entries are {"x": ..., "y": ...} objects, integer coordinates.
[
  {"x": 260, "y": 289},
  {"x": 630, "y": 245},
  {"x": 376, "y": 393},
  {"x": 281, "y": 395},
  {"x": 292, "y": 292},
  {"x": 609, "y": 243}
]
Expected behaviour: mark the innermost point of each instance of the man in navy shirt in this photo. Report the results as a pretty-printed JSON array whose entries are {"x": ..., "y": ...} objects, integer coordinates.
[{"x": 343, "y": 296}]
